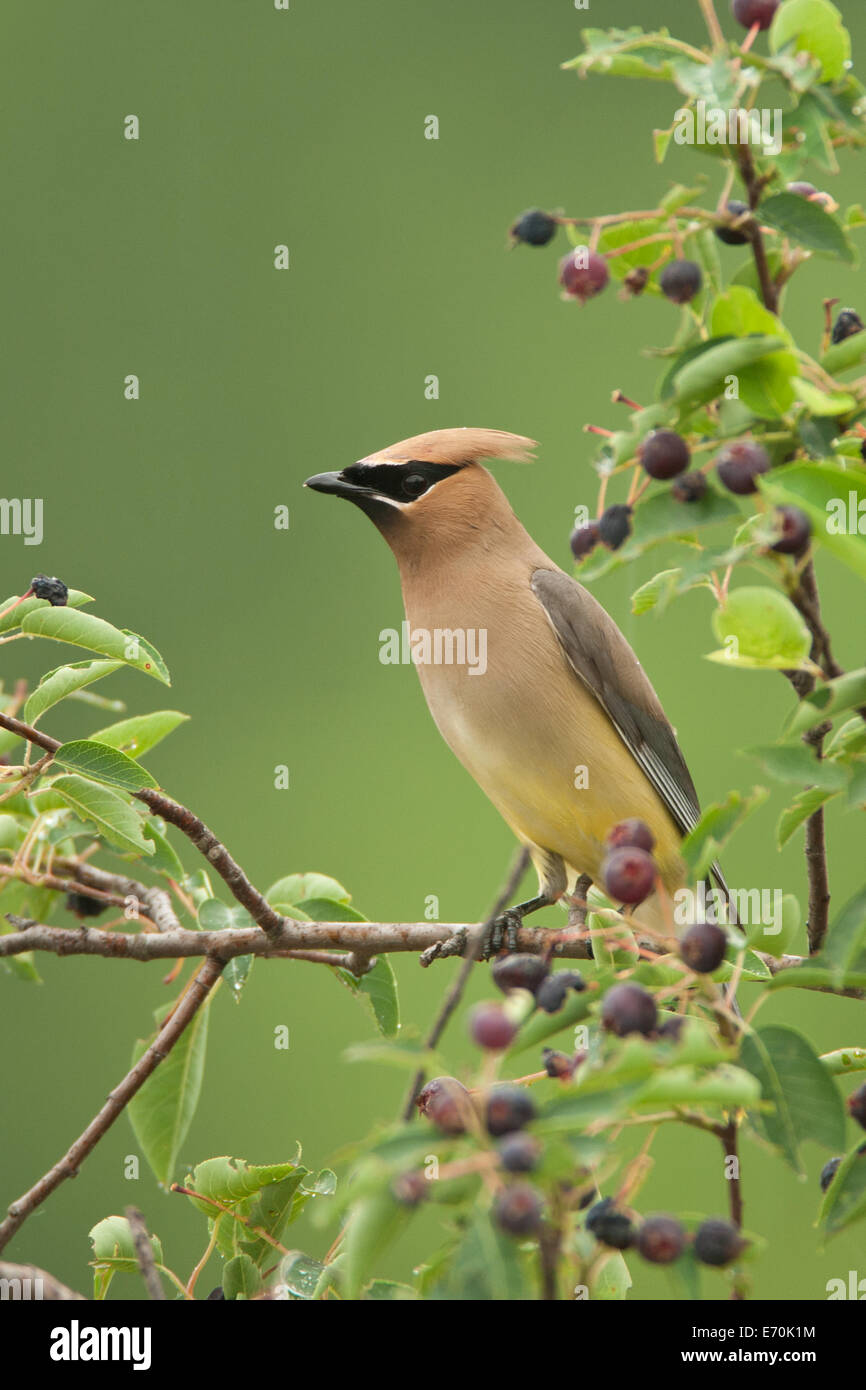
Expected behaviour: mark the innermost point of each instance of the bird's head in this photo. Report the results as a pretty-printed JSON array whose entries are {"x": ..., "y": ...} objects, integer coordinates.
[{"x": 430, "y": 488}]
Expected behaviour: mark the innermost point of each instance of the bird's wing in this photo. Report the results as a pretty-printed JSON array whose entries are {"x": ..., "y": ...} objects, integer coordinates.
[{"x": 602, "y": 659}]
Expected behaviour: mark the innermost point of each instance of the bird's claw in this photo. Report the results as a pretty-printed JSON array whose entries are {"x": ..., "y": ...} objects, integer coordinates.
[{"x": 504, "y": 931}]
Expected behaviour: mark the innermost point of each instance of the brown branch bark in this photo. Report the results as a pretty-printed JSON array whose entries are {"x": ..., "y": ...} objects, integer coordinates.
[
  {"x": 31, "y": 1278},
  {"x": 144, "y": 1255},
  {"x": 119, "y": 1098}
]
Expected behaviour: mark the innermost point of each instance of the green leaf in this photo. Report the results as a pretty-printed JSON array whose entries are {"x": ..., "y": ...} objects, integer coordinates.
[
  {"x": 702, "y": 846},
  {"x": 113, "y": 817},
  {"x": 830, "y": 699},
  {"x": 56, "y": 685},
  {"x": 83, "y": 630},
  {"x": 762, "y": 630},
  {"x": 163, "y": 860},
  {"x": 625, "y": 53},
  {"x": 374, "y": 1223},
  {"x": 656, "y": 592},
  {"x": 114, "y": 1247},
  {"x": 610, "y": 1278},
  {"x": 833, "y": 498},
  {"x": 12, "y": 620},
  {"x": 103, "y": 763},
  {"x": 661, "y": 518},
  {"x": 241, "y": 1278},
  {"x": 162, "y": 1111},
  {"x": 806, "y": 1101},
  {"x": 822, "y": 402},
  {"x": 807, "y": 223},
  {"x": 844, "y": 1060},
  {"x": 295, "y": 888},
  {"x": 385, "y": 1290},
  {"x": 138, "y": 735},
  {"x": 798, "y": 763},
  {"x": 542, "y": 1026},
  {"x": 703, "y": 378},
  {"x": 840, "y": 357},
  {"x": 486, "y": 1267},
  {"x": 379, "y": 987},
  {"x": 846, "y": 939},
  {"x": 815, "y": 27},
  {"x": 233, "y": 1180},
  {"x": 845, "y": 1199},
  {"x": 800, "y": 809}
]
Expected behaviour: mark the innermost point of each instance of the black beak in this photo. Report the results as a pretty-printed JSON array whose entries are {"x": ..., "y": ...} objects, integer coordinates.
[{"x": 335, "y": 483}]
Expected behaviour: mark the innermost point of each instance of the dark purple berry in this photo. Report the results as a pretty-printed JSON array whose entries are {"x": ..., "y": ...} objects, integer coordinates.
[
  {"x": 703, "y": 947},
  {"x": 857, "y": 1106},
  {"x": 796, "y": 528},
  {"x": 573, "y": 979},
  {"x": 628, "y": 875},
  {"x": 54, "y": 590},
  {"x": 583, "y": 273},
  {"x": 535, "y": 227},
  {"x": 446, "y": 1104},
  {"x": 631, "y": 834},
  {"x": 83, "y": 906},
  {"x": 584, "y": 539},
  {"x": 733, "y": 236},
  {"x": 610, "y": 1226},
  {"x": 680, "y": 281},
  {"x": 828, "y": 1172},
  {"x": 672, "y": 1028},
  {"x": 717, "y": 1242},
  {"x": 409, "y": 1189},
  {"x": 517, "y": 1210},
  {"x": 491, "y": 1027},
  {"x": 750, "y": 12},
  {"x": 848, "y": 323},
  {"x": 863, "y": 450},
  {"x": 689, "y": 487},
  {"x": 519, "y": 1152},
  {"x": 739, "y": 464},
  {"x": 519, "y": 971},
  {"x": 216, "y": 1295},
  {"x": 661, "y": 1240},
  {"x": 628, "y": 1009},
  {"x": 551, "y": 994},
  {"x": 614, "y": 527},
  {"x": 664, "y": 454},
  {"x": 805, "y": 190},
  {"x": 508, "y": 1108},
  {"x": 558, "y": 1064}
]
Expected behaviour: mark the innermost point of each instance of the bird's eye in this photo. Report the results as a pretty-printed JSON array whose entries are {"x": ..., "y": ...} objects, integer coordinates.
[{"x": 414, "y": 484}]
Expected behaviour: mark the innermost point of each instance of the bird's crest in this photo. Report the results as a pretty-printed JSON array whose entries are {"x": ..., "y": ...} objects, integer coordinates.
[{"x": 456, "y": 447}]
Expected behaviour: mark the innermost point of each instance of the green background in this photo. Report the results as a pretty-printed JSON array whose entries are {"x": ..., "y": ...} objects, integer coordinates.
[{"x": 155, "y": 257}]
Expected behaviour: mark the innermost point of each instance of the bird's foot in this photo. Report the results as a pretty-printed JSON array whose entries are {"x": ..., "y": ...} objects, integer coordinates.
[{"x": 504, "y": 931}]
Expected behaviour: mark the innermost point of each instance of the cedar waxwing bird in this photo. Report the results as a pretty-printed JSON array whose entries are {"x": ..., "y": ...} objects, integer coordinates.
[{"x": 560, "y": 689}]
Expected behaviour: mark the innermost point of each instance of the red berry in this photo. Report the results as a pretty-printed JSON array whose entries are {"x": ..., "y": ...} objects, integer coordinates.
[
  {"x": 628, "y": 875},
  {"x": 558, "y": 1064},
  {"x": 750, "y": 12},
  {"x": 491, "y": 1027},
  {"x": 584, "y": 539},
  {"x": 796, "y": 528},
  {"x": 740, "y": 463},
  {"x": 703, "y": 947},
  {"x": 689, "y": 487},
  {"x": 680, "y": 281},
  {"x": 409, "y": 1189},
  {"x": 628, "y": 1009},
  {"x": 583, "y": 273},
  {"x": 445, "y": 1102},
  {"x": 857, "y": 1106},
  {"x": 631, "y": 833},
  {"x": 661, "y": 1240},
  {"x": 518, "y": 1209}
]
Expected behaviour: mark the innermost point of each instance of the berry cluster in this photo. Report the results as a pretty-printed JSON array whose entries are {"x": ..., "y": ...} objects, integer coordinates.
[{"x": 662, "y": 1239}]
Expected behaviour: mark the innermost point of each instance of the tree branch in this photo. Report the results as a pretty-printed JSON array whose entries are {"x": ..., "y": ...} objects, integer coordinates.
[
  {"x": 48, "y": 1286},
  {"x": 144, "y": 1255},
  {"x": 67, "y": 1166}
]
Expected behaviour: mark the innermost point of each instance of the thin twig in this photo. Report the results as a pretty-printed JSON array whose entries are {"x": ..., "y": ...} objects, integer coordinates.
[
  {"x": 144, "y": 1254},
  {"x": 119, "y": 1098},
  {"x": 38, "y": 1283}
]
